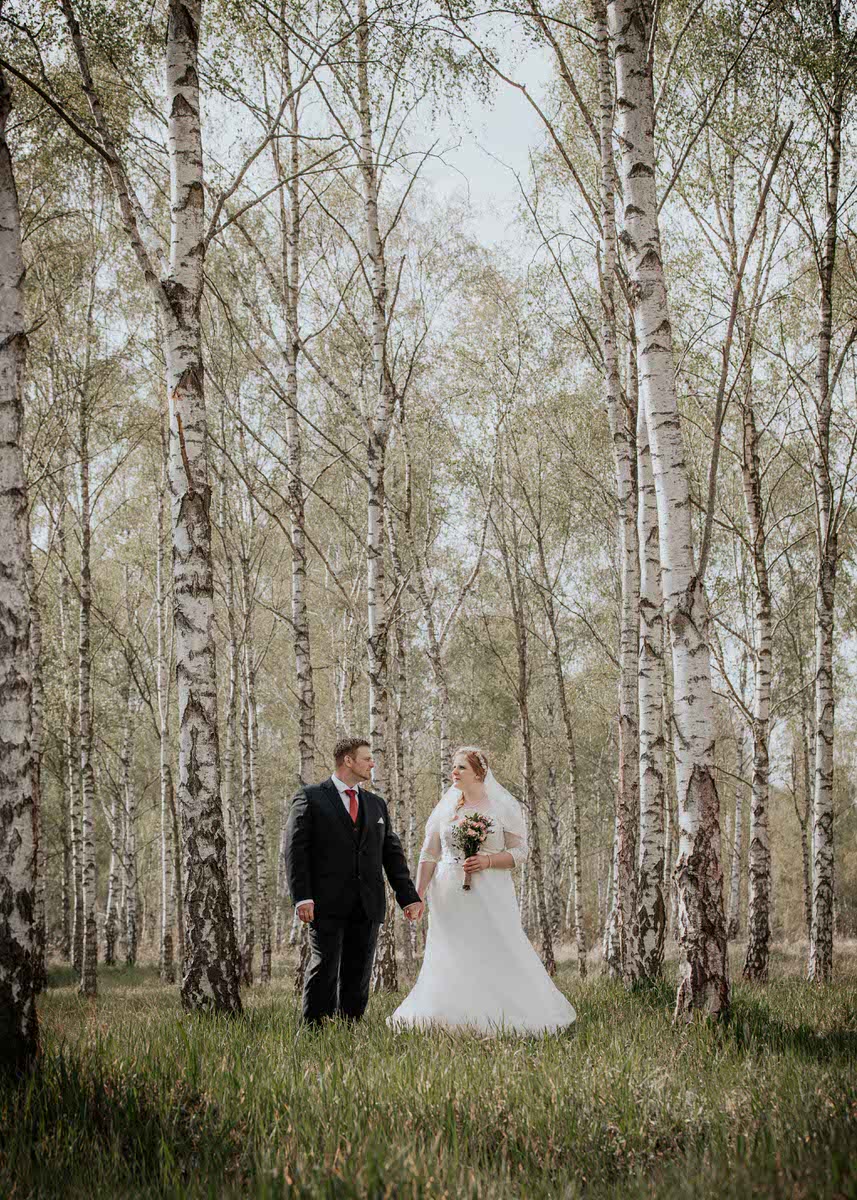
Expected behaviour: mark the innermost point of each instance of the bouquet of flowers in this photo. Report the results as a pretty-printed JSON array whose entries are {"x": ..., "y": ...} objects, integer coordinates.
[{"x": 469, "y": 834}]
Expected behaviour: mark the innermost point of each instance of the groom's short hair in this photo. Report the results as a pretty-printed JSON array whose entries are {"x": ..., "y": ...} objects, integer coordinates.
[{"x": 346, "y": 747}]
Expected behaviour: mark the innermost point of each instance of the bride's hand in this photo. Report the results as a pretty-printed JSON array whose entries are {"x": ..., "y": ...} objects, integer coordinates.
[{"x": 479, "y": 862}]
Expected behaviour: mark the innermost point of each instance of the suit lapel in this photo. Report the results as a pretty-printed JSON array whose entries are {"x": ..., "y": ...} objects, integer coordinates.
[
  {"x": 333, "y": 798},
  {"x": 366, "y": 815}
]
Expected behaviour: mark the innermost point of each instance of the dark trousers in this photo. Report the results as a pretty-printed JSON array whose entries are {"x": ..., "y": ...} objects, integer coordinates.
[{"x": 340, "y": 966}]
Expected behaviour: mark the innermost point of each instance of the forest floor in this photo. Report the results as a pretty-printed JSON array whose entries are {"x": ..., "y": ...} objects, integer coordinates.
[{"x": 135, "y": 1098}]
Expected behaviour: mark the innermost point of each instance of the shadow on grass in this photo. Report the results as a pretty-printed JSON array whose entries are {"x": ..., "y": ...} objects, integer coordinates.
[
  {"x": 752, "y": 1027},
  {"x": 119, "y": 975},
  {"x": 128, "y": 1129}
]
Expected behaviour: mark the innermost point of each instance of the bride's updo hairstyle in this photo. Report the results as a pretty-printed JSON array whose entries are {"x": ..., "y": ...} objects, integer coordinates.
[
  {"x": 477, "y": 761},
  {"x": 476, "y": 758}
]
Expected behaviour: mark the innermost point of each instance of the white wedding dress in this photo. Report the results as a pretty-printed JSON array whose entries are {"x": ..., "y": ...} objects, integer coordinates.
[{"x": 480, "y": 970}]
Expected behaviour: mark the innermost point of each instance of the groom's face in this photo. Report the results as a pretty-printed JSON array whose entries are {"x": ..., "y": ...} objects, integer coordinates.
[{"x": 361, "y": 763}]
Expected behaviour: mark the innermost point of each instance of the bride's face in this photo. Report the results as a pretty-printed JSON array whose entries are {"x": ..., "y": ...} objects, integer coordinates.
[{"x": 463, "y": 775}]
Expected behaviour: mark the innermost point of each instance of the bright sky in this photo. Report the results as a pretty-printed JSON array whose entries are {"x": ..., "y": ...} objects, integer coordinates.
[{"x": 489, "y": 143}]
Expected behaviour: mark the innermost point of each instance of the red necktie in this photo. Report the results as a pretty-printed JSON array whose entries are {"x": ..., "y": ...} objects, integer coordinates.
[{"x": 352, "y": 803}]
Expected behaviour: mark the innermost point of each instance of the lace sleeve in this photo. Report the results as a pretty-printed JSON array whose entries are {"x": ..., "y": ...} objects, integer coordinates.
[
  {"x": 515, "y": 832},
  {"x": 431, "y": 849}
]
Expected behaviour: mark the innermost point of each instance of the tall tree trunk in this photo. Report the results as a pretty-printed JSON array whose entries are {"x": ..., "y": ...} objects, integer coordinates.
[
  {"x": 210, "y": 975},
  {"x": 511, "y": 555},
  {"x": 827, "y": 541},
  {"x": 554, "y": 859},
  {"x": 621, "y": 412},
  {"x": 380, "y": 424},
  {"x": 290, "y": 253},
  {"x": 703, "y": 966},
  {"x": 650, "y": 911},
  {"x": 245, "y": 856},
  {"x": 803, "y": 816},
  {"x": 18, "y": 948},
  {"x": 88, "y": 978},
  {"x": 734, "y": 918},
  {"x": 210, "y": 959},
  {"x": 71, "y": 808},
  {"x": 129, "y": 802},
  {"x": 608, "y": 932},
  {"x": 384, "y": 974},
  {"x": 263, "y": 901},
  {"x": 547, "y": 597},
  {"x": 111, "y": 927},
  {"x": 38, "y": 701},
  {"x": 231, "y": 808},
  {"x": 402, "y": 762},
  {"x": 178, "y": 871},
  {"x": 759, "y": 864},
  {"x": 165, "y": 778},
  {"x": 66, "y": 880}
]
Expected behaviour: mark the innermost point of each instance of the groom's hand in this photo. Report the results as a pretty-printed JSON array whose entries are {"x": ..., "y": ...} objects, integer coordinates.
[
  {"x": 414, "y": 911},
  {"x": 306, "y": 911}
]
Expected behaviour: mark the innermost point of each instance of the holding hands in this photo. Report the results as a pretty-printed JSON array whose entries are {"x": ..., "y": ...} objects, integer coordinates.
[{"x": 306, "y": 911}]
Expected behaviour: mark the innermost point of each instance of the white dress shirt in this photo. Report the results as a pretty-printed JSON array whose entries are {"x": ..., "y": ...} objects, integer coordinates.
[{"x": 340, "y": 787}]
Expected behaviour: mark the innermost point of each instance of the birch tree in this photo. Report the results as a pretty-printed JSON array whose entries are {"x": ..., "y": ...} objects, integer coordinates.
[
  {"x": 622, "y": 417},
  {"x": 167, "y": 956},
  {"x": 88, "y": 975},
  {"x": 649, "y": 926},
  {"x": 833, "y": 80},
  {"x": 210, "y": 978},
  {"x": 18, "y": 948},
  {"x": 703, "y": 967}
]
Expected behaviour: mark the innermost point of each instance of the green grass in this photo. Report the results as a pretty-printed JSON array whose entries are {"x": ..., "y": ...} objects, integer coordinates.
[{"x": 135, "y": 1098}]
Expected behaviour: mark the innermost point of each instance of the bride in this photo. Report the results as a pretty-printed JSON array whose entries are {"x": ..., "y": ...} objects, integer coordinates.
[{"x": 479, "y": 970}]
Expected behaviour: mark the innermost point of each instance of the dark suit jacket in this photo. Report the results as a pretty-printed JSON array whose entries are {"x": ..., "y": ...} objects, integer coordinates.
[{"x": 334, "y": 863}]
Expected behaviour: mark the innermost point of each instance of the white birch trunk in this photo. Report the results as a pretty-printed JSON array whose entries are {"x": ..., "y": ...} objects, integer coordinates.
[
  {"x": 827, "y": 539},
  {"x": 608, "y": 934},
  {"x": 88, "y": 977},
  {"x": 210, "y": 975},
  {"x": 167, "y": 949},
  {"x": 111, "y": 925},
  {"x": 263, "y": 891},
  {"x": 39, "y": 827},
  {"x": 379, "y": 425},
  {"x": 555, "y": 859},
  {"x": 18, "y": 949},
  {"x": 210, "y": 961},
  {"x": 734, "y": 918},
  {"x": 384, "y": 973},
  {"x": 71, "y": 814},
  {"x": 129, "y": 802},
  {"x": 290, "y": 224},
  {"x": 703, "y": 966},
  {"x": 575, "y": 903},
  {"x": 245, "y": 856},
  {"x": 759, "y": 859},
  {"x": 290, "y": 230},
  {"x": 231, "y": 809},
  {"x": 650, "y": 912},
  {"x": 621, "y": 413}
]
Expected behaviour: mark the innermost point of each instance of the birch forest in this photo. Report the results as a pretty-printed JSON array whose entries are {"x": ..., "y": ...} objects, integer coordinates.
[{"x": 305, "y": 434}]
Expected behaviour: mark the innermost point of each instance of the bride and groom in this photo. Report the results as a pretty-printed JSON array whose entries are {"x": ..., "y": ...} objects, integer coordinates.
[{"x": 479, "y": 970}]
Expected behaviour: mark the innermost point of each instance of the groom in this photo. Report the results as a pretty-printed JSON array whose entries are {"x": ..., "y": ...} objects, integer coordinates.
[{"x": 338, "y": 838}]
